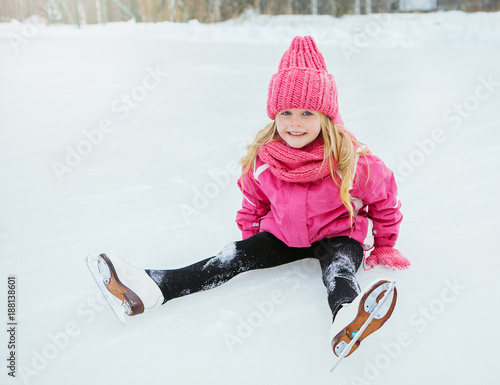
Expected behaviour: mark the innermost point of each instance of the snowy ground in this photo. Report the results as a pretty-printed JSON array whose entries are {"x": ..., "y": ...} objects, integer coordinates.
[{"x": 124, "y": 138}]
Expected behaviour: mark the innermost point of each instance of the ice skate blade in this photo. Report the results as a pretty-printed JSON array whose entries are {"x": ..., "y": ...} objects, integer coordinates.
[
  {"x": 370, "y": 307},
  {"x": 369, "y": 319},
  {"x": 132, "y": 304},
  {"x": 114, "y": 303},
  {"x": 372, "y": 301}
]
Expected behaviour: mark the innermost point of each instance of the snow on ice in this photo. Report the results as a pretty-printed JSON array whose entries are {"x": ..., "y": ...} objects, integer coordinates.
[{"x": 109, "y": 132}]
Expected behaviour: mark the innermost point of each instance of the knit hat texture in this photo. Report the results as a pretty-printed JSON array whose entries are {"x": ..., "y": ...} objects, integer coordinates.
[{"x": 303, "y": 82}]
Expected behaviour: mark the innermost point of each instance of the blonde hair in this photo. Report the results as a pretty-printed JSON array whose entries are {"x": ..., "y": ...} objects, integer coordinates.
[{"x": 340, "y": 152}]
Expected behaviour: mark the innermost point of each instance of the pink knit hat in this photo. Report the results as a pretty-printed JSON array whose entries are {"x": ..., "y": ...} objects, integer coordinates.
[{"x": 303, "y": 82}]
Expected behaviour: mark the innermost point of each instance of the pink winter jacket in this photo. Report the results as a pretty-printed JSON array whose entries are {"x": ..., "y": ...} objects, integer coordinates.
[{"x": 302, "y": 213}]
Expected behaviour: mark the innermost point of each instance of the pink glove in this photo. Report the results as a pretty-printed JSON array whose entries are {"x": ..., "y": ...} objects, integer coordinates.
[{"x": 388, "y": 257}]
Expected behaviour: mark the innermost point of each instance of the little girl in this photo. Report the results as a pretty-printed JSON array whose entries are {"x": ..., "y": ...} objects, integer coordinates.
[{"x": 310, "y": 190}]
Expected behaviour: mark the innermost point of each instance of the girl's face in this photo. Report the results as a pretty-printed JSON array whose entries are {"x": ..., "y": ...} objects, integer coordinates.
[{"x": 297, "y": 127}]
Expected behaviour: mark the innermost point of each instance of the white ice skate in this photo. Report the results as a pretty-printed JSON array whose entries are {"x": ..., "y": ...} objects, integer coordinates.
[
  {"x": 128, "y": 290},
  {"x": 366, "y": 314}
]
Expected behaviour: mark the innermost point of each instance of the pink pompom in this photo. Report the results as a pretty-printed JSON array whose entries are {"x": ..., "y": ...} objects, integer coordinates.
[{"x": 388, "y": 257}]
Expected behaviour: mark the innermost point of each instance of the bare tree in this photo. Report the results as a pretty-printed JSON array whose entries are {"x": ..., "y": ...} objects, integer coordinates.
[
  {"x": 314, "y": 7},
  {"x": 368, "y": 7},
  {"x": 206, "y": 11}
]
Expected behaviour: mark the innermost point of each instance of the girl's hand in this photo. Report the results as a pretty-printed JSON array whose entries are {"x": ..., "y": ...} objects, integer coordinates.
[{"x": 388, "y": 257}]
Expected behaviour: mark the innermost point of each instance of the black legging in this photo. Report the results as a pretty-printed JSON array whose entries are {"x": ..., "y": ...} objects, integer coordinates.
[{"x": 339, "y": 257}]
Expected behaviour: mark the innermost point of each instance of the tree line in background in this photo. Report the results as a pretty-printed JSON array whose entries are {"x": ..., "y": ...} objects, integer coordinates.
[{"x": 207, "y": 11}]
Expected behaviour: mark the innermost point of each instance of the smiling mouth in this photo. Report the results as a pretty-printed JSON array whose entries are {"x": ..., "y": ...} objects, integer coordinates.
[{"x": 297, "y": 133}]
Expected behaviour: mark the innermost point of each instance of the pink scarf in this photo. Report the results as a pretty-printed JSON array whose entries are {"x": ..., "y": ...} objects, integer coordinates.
[{"x": 295, "y": 165}]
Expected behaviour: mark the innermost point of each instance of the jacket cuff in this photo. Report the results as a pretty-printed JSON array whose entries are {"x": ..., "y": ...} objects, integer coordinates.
[
  {"x": 248, "y": 233},
  {"x": 384, "y": 242}
]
